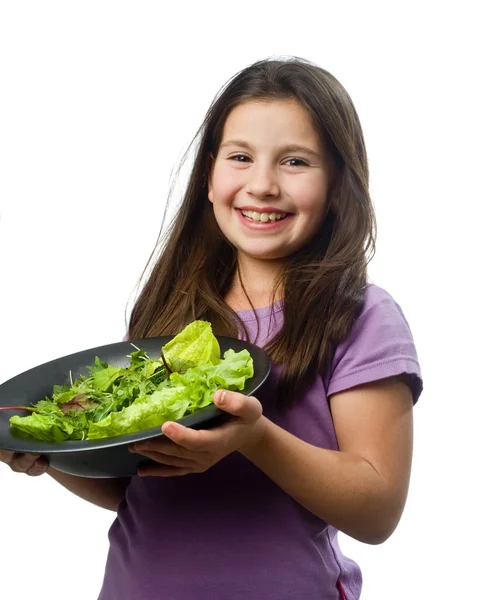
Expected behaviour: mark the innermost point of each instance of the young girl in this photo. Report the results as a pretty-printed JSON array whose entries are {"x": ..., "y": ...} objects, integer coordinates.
[{"x": 270, "y": 244}]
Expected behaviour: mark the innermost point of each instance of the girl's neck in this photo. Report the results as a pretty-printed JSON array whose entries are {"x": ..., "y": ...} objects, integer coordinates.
[{"x": 257, "y": 282}]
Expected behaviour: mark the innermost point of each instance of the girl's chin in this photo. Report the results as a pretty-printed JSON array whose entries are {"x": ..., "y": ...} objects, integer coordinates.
[{"x": 265, "y": 254}]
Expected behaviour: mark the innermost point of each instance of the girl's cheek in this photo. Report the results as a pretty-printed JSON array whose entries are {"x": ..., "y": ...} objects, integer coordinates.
[
  {"x": 226, "y": 176},
  {"x": 309, "y": 200},
  {"x": 226, "y": 189}
]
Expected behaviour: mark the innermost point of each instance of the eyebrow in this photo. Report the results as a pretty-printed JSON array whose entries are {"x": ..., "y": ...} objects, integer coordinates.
[{"x": 288, "y": 148}]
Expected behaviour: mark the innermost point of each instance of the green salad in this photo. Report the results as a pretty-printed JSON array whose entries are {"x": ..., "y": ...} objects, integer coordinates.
[{"x": 112, "y": 401}]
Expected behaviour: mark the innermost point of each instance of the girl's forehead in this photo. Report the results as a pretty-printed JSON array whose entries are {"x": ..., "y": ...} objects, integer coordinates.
[
  {"x": 252, "y": 109},
  {"x": 260, "y": 118}
]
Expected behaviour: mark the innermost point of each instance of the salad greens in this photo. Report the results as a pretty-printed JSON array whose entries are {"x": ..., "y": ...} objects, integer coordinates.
[{"x": 112, "y": 400}]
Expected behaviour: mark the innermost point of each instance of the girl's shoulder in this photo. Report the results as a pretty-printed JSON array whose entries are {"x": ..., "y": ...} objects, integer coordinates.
[
  {"x": 375, "y": 295},
  {"x": 380, "y": 344},
  {"x": 379, "y": 306}
]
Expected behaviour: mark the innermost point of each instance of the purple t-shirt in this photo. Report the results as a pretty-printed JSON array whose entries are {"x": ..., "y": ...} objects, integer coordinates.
[{"x": 231, "y": 533}]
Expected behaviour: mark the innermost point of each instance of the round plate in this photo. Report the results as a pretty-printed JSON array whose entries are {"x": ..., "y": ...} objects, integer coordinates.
[{"x": 108, "y": 457}]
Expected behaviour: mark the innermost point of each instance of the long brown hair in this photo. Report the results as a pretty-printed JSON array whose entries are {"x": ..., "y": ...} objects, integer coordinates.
[{"x": 323, "y": 283}]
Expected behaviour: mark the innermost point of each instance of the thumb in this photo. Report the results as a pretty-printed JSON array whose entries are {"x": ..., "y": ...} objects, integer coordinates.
[{"x": 247, "y": 408}]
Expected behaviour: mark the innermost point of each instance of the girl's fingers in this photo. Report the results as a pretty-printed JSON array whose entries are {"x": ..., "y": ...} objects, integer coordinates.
[
  {"x": 167, "y": 460},
  {"x": 38, "y": 468},
  {"x": 166, "y": 447},
  {"x": 31, "y": 464},
  {"x": 20, "y": 463},
  {"x": 193, "y": 440}
]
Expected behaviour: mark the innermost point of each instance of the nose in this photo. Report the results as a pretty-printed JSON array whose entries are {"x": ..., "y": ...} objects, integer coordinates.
[{"x": 262, "y": 181}]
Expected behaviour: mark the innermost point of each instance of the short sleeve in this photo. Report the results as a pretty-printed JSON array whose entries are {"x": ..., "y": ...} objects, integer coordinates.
[{"x": 379, "y": 345}]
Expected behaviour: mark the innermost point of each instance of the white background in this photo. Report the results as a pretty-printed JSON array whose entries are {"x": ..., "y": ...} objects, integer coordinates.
[{"x": 98, "y": 102}]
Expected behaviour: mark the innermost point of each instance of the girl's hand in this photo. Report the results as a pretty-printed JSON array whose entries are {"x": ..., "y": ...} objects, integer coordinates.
[
  {"x": 31, "y": 464},
  {"x": 194, "y": 451}
]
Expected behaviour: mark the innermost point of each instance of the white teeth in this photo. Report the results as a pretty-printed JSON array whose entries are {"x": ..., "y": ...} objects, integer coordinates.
[{"x": 262, "y": 217}]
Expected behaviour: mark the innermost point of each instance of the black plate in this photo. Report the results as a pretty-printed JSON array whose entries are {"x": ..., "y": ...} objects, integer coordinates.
[{"x": 108, "y": 457}]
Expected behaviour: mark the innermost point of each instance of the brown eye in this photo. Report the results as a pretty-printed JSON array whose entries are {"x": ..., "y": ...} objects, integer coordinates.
[
  {"x": 301, "y": 162},
  {"x": 238, "y": 156}
]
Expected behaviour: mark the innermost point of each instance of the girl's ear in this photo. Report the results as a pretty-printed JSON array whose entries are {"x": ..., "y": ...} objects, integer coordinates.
[
  {"x": 333, "y": 203},
  {"x": 333, "y": 184},
  {"x": 210, "y": 168},
  {"x": 210, "y": 193}
]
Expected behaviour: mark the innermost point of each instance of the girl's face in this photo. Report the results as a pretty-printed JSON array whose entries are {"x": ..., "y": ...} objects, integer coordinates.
[{"x": 268, "y": 183}]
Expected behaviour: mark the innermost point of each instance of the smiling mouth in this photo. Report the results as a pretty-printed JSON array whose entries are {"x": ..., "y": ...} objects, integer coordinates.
[{"x": 262, "y": 217}]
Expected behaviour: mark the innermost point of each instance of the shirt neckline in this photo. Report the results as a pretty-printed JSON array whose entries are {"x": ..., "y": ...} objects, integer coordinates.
[{"x": 264, "y": 311}]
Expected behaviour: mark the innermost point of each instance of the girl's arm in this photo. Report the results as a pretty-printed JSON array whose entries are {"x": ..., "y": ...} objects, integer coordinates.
[
  {"x": 362, "y": 488},
  {"x": 106, "y": 493}
]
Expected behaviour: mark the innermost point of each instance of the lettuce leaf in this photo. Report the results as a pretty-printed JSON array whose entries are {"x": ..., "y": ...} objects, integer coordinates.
[
  {"x": 168, "y": 404},
  {"x": 50, "y": 427},
  {"x": 195, "y": 345},
  {"x": 103, "y": 380},
  {"x": 231, "y": 373}
]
